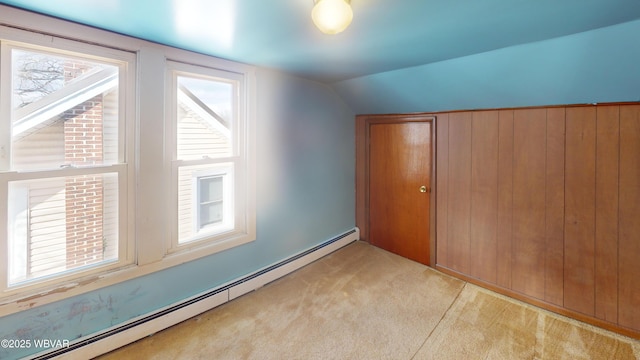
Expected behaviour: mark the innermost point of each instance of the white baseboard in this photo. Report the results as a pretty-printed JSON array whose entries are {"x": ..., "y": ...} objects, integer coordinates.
[{"x": 138, "y": 328}]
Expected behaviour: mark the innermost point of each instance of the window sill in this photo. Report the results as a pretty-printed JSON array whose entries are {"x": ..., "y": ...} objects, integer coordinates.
[{"x": 23, "y": 301}]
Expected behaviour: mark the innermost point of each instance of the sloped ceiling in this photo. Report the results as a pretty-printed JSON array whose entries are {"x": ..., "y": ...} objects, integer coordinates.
[{"x": 385, "y": 34}]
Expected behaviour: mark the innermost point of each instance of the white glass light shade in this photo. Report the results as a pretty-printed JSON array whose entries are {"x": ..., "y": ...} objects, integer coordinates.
[{"x": 332, "y": 16}]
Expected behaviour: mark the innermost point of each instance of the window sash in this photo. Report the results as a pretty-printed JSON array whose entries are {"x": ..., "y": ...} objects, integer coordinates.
[
  {"x": 124, "y": 248},
  {"x": 56, "y": 229},
  {"x": 237, "y": 124}
]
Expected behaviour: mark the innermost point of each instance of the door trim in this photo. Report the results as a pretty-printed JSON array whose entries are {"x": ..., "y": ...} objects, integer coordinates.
[{"x": 363, "y": 125}]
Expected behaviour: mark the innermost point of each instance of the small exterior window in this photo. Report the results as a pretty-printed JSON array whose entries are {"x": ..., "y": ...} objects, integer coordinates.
[
  {"x": 213, "y": 203},
  {"x": 210, "y": 201}
]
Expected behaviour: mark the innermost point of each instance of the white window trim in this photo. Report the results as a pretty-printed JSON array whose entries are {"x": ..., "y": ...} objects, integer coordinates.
[
  {"x": 242, "y": 157},
  {"x": 144, "y": 180},
  {"x": 125, "y": 61}
]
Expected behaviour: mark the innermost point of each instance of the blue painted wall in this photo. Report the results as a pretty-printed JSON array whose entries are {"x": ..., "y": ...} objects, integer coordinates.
[
  {"x": 305, "y": 185},
  {"x": 596, "y": 66}
]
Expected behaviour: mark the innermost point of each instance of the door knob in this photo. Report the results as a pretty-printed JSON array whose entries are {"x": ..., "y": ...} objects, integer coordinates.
[{"x": 423, "y": 189}]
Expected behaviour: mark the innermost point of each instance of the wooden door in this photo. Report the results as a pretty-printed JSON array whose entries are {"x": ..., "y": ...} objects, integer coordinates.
[{"x": 400, "y": 188}]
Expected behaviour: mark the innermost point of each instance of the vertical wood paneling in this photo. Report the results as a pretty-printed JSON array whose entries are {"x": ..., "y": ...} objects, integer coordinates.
[
  {"x": 629, "y": 221},
  {"x": 554, "y": 198},
  {"x": 484, "y": 194},
  {"x": 565, "y": 204},
  {"x": 442, "y": 188},
  {"x": 606, "y": 227},
  {"x": 505, "y": 198},
  {"x": 529, "y": 166},
  {"x": 579, "y": 240},
  {"x": 459, "y": 195}
]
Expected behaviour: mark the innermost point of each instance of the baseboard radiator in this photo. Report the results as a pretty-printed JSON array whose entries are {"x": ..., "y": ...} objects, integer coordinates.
[{"x": 138, "y": 328}]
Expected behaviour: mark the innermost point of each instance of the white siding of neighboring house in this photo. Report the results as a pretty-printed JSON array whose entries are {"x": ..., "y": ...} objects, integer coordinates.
[
  {"x": 110, "y": 202},
  {"x": 39, "y": 213},
  {"x": 198, "y": 138},
  {"x": 48, "y": 252},
  {"x": 110, "y": 127},
  {"x": 38, "y": 244},
  {"x": 40, "y": 148}
]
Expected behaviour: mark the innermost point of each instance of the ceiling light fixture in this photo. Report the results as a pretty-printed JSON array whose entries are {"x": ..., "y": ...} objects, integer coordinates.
[{"x": 332, "y": 16}]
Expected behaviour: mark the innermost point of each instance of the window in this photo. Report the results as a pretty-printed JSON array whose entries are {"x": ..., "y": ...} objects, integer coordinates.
[
  {"x": 209, "y": 157},
  {"x": 213, "y": 210},
  {"x": 63, "y": 168},
  {"x": 210, "y": 201},
  {"x": 116, "y": 162}
]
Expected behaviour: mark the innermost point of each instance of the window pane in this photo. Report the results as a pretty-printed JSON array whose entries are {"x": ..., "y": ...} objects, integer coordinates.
[
  {"x": 204, "y": 119},
  {"x": 210, "y": 190},
  {"x": 210, "y": 213},
  {"x": 65, "y": 111},
  {"x": 60, "y": 224},
  {"x": 205, "y": 205}
]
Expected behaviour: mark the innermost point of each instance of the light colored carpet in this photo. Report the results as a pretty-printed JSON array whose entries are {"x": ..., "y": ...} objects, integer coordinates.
[
  {"x": 485, "y": 325},
  {"x": 364, "y": 303}
]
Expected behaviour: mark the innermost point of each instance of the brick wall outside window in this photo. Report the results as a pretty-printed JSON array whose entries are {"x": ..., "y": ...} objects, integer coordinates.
[
  {"x": 74, "y": 69},
  {"x": 84, "y": 194}
]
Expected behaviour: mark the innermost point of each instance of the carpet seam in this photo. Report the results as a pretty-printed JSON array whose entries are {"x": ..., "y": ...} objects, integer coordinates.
[{"x": 439, "y": 321}]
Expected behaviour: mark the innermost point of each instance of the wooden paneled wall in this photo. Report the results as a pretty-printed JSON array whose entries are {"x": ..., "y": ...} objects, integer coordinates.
[{"x": 544, "y": 203}]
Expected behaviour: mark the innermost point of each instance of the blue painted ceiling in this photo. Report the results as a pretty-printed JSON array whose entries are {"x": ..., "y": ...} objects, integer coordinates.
[{"x": 385, "y": 34}]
